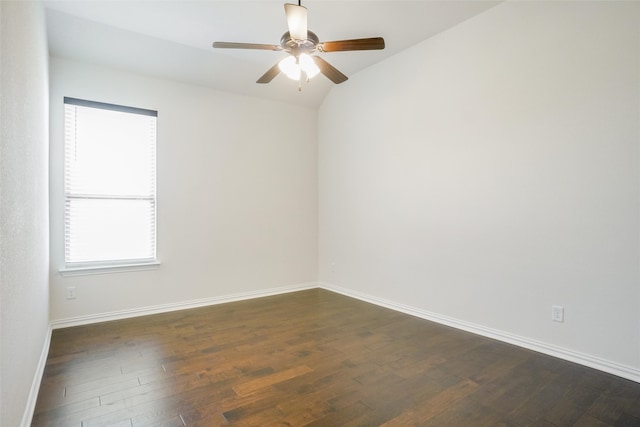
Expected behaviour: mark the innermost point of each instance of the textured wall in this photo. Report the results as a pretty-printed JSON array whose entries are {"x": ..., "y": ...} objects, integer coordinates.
[
  {"x": 491, "y": 172},
  {"x": 237, "y": 193},
  {"x": 24, "y": 221}
]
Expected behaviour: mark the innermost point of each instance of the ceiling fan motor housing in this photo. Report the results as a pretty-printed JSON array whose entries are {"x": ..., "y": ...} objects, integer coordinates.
[{"x": 296, "y": 47}]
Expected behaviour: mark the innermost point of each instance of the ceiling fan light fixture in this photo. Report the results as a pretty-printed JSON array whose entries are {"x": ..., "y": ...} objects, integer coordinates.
[
  {"x": 308, "y": 66},
  {"x": 293, "y": 67},
  {"x": 290, "y": 67}
]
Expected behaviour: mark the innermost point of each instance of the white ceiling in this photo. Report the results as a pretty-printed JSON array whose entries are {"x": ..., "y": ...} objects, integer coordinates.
[{"x": 172, "y": 38}]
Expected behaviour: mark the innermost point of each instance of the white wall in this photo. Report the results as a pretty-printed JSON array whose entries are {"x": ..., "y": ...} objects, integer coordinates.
[
  {"x": 491, "y": 172},
  {"x": 237, "y": 193},
  {"x": 24, "y": 222}
]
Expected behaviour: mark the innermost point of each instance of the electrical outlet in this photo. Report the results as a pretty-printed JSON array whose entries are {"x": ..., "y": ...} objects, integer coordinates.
[
  {"x": 71, "y": 292},
  {"x": 557, "y": 313},
  {"x": 332, "y": 267}
]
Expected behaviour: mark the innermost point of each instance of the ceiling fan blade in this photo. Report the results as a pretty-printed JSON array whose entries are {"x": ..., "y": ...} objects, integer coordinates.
[
  {"x": 233, "y": 45},
  {"x": 270, "y": 74},
  {"x": 329, "y": 70},
  {"x": 372, "y": 43},
  {"x": 296, "y": 20}
]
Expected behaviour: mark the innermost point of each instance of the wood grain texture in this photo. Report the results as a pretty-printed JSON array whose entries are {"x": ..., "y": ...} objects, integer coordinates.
[{"x": 313, "y": 358}]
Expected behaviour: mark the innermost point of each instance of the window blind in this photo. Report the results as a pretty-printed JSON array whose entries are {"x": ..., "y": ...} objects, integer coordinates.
[{"x": 109, "y": 183}]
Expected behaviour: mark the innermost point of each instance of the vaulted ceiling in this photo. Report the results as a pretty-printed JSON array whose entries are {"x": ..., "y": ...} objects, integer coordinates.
[{"x": 172, "y": 39}]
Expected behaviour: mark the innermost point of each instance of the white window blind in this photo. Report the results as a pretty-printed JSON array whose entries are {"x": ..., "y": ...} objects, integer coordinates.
[{"x": 109, "y": 183}]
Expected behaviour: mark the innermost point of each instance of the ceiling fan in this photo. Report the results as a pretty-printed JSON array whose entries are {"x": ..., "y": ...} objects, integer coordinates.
[{"x": 299, "y": 42}]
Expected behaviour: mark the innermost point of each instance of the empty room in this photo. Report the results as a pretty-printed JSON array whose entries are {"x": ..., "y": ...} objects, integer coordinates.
[{"x": 320, "y": 213}]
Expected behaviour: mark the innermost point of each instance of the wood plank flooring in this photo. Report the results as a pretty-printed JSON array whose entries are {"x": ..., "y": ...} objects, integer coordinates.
[{"x": 313, "y": 358}]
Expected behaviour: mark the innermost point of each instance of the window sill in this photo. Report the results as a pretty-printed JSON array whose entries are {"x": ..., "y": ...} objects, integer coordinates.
[{"x": 107, "y": 269}]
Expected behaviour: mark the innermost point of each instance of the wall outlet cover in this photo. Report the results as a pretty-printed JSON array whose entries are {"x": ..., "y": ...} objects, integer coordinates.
[{"x": 557, "y": 313}]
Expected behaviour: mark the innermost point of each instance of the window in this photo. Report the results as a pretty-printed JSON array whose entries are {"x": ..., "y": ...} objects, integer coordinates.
[{"x": 109, "y": 185}]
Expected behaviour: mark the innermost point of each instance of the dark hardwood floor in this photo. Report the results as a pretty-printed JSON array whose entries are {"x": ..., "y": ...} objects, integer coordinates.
[{"x": 313, "y": 358}]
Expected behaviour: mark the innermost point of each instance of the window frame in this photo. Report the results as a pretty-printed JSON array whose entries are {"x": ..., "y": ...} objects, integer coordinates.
[{"x": 72, "y": 268}]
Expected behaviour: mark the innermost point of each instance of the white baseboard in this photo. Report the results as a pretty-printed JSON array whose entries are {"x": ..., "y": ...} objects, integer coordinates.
[
  {"x": 183, "y": 305},
  {"x": 608, "y": 366},
  {"x": 27, "y": 416}
]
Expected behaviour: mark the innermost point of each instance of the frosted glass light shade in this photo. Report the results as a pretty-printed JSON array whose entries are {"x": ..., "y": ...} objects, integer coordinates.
[
  {"x": 293, "y": 67},
  {"x": 290, "y": 67},
  {"x": 308, "y": 66}
]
